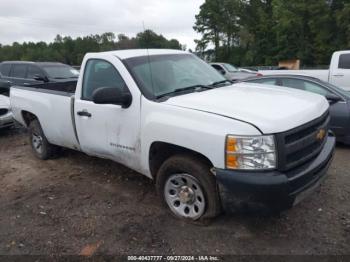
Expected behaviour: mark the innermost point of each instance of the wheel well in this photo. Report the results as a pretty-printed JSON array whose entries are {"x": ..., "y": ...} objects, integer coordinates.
[
  {"x": 28, "y": 117},
  {"x": 161, "y": 151}
]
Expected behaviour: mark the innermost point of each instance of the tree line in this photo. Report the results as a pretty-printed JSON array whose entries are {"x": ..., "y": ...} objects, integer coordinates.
[
  {"x": 71, "y": 51},
  {"x": 263, "y": 32}
]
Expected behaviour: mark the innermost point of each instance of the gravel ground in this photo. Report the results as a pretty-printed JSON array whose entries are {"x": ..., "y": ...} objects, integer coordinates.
[{"x": 77, "y": 204}]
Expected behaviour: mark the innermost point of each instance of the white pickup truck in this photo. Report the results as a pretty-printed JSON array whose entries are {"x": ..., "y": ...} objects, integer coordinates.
[
  {"x": 338, "y": 73},
  {"x": 170, "y": 116}
]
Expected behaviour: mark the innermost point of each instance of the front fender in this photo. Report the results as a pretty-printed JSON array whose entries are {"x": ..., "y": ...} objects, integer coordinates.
[{"x": 202, "y": 132}]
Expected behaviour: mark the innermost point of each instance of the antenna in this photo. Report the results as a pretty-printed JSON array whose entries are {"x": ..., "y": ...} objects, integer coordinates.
[{"x": 148, "y": 59}]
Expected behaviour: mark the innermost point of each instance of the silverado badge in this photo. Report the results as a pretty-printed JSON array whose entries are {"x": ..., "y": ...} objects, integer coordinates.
[{"x": 321, "y": 134}]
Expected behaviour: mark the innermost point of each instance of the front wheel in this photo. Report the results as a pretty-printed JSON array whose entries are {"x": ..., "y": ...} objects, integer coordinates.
[{"x": 188, "y": 188}]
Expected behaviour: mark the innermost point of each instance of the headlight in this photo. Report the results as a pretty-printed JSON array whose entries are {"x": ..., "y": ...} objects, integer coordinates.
[{"x": 250, "y": 153}]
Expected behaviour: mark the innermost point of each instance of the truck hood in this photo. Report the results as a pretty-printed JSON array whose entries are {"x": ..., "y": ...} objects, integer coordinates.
[
  {"x": 4, "y": 102},
  {"x": 271, "y": 109}
]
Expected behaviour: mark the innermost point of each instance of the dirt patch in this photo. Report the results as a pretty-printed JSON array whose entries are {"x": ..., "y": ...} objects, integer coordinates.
[{"x": 77, "y": 204}]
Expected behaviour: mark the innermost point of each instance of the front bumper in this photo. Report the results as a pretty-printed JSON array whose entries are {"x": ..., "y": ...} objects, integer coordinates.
[
  {"x": 6, "y": 120},
  {"x": 274, "y": 190}
]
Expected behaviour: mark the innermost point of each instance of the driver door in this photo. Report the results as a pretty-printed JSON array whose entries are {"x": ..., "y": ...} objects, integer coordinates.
[{"x": 106, "y": 130}]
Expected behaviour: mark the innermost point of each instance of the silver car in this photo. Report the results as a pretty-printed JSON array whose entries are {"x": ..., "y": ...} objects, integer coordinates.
[
  {"x": 6, "y": 119},
  {"x": 232, "y": 73}
]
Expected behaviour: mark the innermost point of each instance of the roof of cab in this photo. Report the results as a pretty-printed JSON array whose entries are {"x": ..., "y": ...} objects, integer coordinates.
[
  {"x": 31, "y": 62},
  {"x": 129, "y": 53},
  {"x": 17, "y": 62}
]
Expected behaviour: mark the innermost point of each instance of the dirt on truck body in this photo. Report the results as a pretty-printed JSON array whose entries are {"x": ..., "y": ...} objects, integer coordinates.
[{"x": 76, "y": 204}]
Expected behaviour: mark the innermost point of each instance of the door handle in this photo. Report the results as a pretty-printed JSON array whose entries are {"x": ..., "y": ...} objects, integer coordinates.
[
  {"x": 338, "y": 75},
  {"x": 84, "y": 113}
]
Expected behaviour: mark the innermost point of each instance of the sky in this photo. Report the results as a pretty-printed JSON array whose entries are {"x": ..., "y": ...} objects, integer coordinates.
[{"x": 42, "y": 20}]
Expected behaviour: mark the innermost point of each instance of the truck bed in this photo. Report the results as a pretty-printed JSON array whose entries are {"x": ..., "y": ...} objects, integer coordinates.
[{"x": 53, "y": 105}]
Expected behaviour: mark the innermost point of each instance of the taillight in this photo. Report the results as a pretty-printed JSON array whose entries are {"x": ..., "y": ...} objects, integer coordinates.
[{"x": 259, "y": 74}]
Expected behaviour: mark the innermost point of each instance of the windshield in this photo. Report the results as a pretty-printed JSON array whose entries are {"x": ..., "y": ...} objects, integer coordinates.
[
  {"x": 60, "y": 71},
  {"x": 158, "y": 75},
  {"x": 230, "y": 68}
]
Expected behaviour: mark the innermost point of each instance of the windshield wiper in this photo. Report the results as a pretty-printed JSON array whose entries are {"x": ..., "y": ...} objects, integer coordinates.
[{"x": 196, "y": 88}]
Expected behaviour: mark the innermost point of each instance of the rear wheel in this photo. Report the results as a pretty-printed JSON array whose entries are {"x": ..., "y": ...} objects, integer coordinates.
[
  {"x": 188, "y": 188},
  {"x": 40, "y": 146}
]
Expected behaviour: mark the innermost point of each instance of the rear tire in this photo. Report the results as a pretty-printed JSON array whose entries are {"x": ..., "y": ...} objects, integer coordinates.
[
  {"x": 188, "y": 188},
  {"x": 41, "y": 148}
]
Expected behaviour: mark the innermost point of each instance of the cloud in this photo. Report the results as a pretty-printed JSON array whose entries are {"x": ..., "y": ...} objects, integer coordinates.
[{"x": 42, "y": 20}]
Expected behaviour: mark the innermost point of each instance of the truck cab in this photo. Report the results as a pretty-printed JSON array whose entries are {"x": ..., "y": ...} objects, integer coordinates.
[
  {"x": 339, "y": 71},
  {"x": 170, "y": 116}
]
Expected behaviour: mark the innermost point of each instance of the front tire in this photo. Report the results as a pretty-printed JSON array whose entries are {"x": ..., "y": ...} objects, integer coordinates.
[
  {"x": 187, "y": 186},
  {"x": 37, "y": 139}
]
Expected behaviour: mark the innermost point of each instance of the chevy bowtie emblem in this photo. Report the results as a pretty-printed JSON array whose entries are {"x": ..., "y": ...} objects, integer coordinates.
[{"x": 321, "y": 134}]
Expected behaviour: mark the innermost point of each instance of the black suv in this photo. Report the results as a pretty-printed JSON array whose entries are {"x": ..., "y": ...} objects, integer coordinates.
[{"x": 34, "y": 73}]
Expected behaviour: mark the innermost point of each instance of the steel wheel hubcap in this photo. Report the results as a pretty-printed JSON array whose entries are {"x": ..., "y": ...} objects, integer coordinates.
[
  {"x": 184, "y": 196},
  {"x": 37, "y": 141}
]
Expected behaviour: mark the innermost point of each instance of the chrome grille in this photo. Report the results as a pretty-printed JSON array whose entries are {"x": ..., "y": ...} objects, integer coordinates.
[{"x": 302, "y": 144}]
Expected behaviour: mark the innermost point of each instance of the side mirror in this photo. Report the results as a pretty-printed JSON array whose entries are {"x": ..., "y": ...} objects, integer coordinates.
[
  {"x": 333, "y": 98},
  {"x": 40, "y": 78},
  {"x": 222, "y": 71},
  {"x": 112, "y": 96}
]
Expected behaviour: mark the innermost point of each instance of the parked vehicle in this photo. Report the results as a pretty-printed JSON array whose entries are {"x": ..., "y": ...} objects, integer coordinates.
[
  {"x": 232, "y": 73},
  {"x": 172, "y": 117},
  {"x": 338, "y": 73},
  {"x": 338, "y": 98},
  {"x": 6, "y": 118},
  {"x": 30, "y": 73},
  {"x": 246, "y": 70}
]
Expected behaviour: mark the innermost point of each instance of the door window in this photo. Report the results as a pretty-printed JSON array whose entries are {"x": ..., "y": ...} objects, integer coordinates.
[
  {"x": 314, "y": 88},
  {"x": 19, "y": 71},
  {"x": 5, "y": 69},
  {"x": 305, "y": 85},
  {"x": 220, "y": 69},
  {"x": 33, "y": 71},
  {"x": 344, "y": 61},
  {"x": 217, "y": 67},
  {"x": 100, "y": 73},
  {"x": 294, "y": 83},
  {"x": 270, "y": 81}
]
